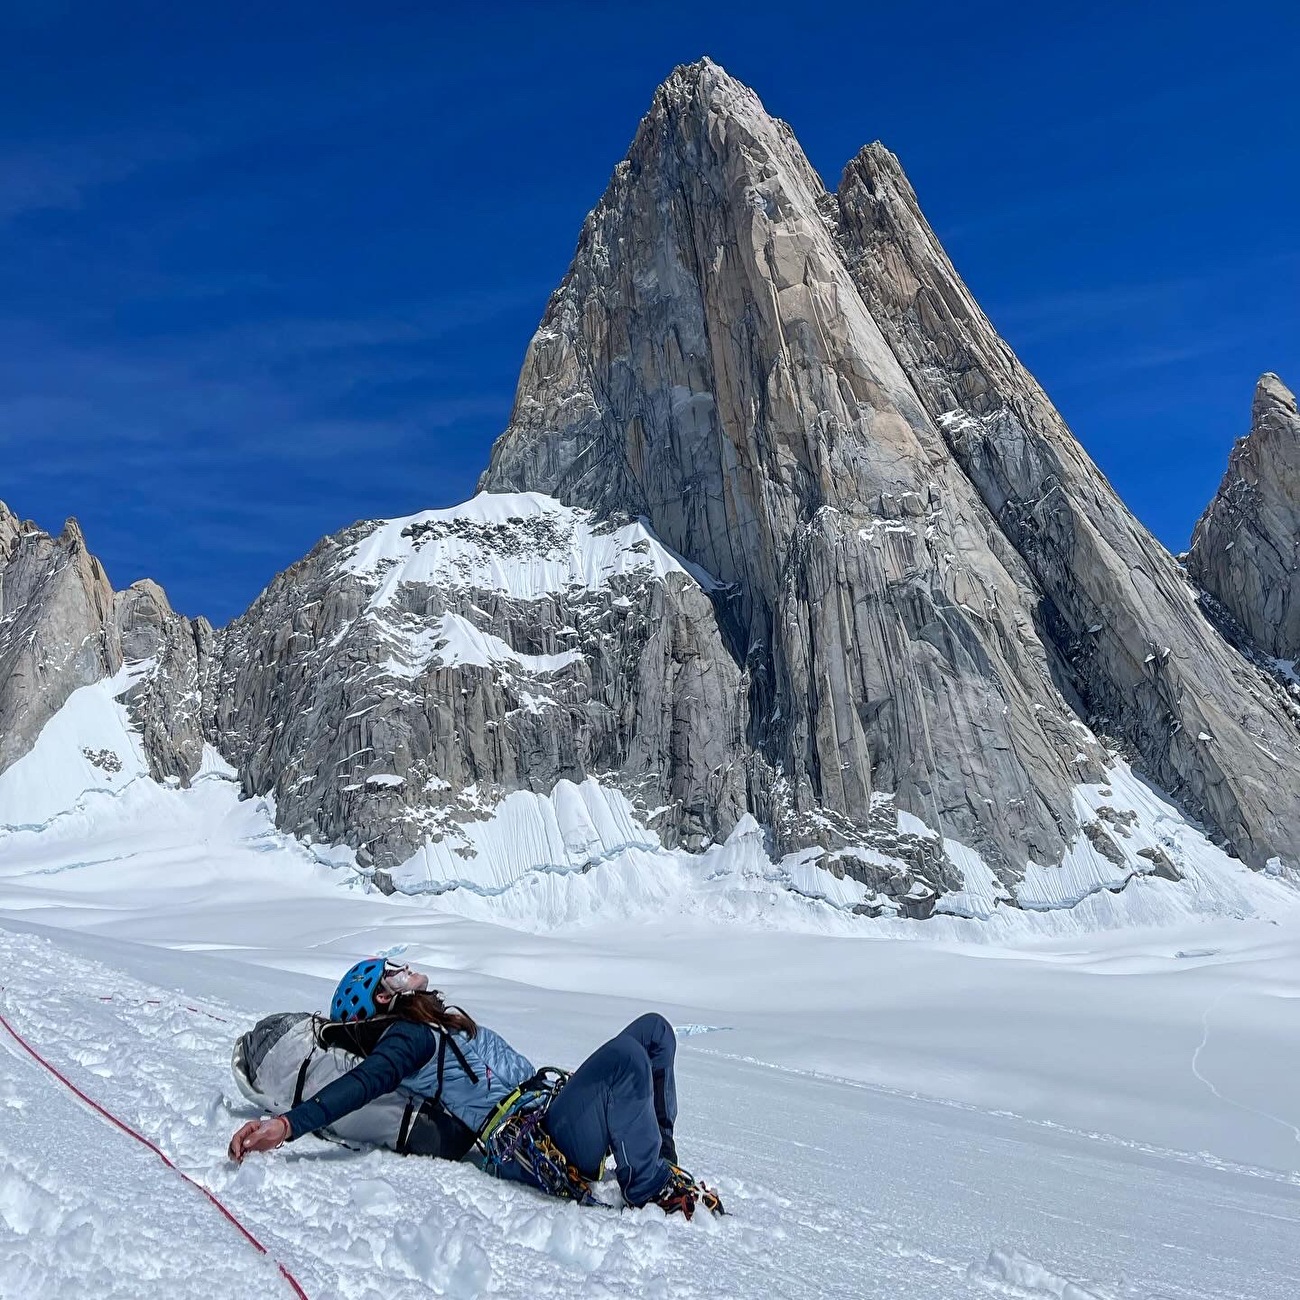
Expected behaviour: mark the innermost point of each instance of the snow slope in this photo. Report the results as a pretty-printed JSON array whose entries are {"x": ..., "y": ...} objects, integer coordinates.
[
  {"x": 991, "y": 1108},
  {"x": 835, "y": 1189}
]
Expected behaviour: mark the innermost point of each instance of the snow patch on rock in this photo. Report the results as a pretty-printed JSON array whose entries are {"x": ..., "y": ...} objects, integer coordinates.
[
  {"x": 88, "y": 748},
  {"x": 569, "y": 830},
  {"x": 1137, "y": 861},
  {"x": 523, "y": 544},
  {"x": 452, "y": 641},
  {"x": 460, "y": 643}
]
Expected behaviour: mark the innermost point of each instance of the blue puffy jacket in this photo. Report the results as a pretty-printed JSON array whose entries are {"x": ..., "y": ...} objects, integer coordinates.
[
  {"x": 407, "y": 1056},
  {"x": 498, "y": 1068}
]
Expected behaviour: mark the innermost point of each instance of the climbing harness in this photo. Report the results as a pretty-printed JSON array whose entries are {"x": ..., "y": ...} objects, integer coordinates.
[{"x": 515, "y": 1132}]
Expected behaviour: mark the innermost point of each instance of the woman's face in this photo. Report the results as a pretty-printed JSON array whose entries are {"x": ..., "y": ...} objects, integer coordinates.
[{"x": 402, "y": 979}]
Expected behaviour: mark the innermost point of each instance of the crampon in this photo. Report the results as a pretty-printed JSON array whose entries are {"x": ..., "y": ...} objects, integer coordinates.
[{"x": 681, "y": 1194}]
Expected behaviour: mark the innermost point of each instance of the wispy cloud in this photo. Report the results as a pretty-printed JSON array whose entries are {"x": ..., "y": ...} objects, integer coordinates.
[
  {"x": 1128, "y": 362},
  {"x": 250, "y": 440},
  {"x": 60, "y": 173},
  {"x": 1083, "y": 309},
  {"x": 278, "y": 387}
]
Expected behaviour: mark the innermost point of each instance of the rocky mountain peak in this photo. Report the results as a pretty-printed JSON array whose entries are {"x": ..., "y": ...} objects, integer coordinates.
[
  {"x": 704, "y": 92},
  {"x": 803, "y": 398},
  {"x": 1145, "y": 664},
  {"x": 63, "y": 627},
  {"x": 10, "y": 527},
  {"x": 709, "y": 363},
  {"x": 781, "y": 542},
  {"x": 874, "y": 175},
  {"x": 872, "y": 163},
  {"x": 71, "y": 534},
  {"x": 704, "y": 82},
  {"x": 54, "y": 604},
  {"x": 1245, "y": 550},
  {"x": 1274, "y": 407},
  {"x": 704, "y": 117}
]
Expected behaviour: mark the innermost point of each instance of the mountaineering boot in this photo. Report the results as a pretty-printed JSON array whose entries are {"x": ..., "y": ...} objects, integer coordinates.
[{"x": 681, "y": 1193}]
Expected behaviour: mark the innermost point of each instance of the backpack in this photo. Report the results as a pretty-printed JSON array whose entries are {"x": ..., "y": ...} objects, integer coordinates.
[{"x": 292, "y": 1055}]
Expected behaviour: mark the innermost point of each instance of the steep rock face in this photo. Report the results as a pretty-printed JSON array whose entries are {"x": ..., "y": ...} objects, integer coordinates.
[
  {"x": 56, "y": 607},
  {"x": 709, "y": 363},
  {"x": 63, "y": 627},
  {"x": 165, "y": 702},
  {"x": 407, "y": 675},
  {"x": 779, "y": 526},
  {"x": 1246, "y": 548},
  {"x": 1146, "y": 662}
]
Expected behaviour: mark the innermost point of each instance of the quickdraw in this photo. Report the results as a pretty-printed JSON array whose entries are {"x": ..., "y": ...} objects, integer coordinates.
[{"x": 515, "y": 1133}]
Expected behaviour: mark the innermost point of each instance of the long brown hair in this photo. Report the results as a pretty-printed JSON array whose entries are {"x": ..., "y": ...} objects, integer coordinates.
[{"x": 429, "y": 1008}]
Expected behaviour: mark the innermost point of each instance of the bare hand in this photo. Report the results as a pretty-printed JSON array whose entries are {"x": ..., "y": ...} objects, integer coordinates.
[{"x": 258, "y": 1135}]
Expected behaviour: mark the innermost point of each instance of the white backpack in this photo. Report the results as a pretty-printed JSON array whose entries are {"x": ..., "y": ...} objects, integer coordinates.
[{"x": 284, "y": 1059}]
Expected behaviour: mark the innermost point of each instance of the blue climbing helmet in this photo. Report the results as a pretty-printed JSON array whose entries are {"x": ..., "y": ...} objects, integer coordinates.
[{"x": 354, "y": 999}]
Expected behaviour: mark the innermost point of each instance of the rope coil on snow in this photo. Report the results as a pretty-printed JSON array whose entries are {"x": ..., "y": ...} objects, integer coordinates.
[{"x": 162, "y": 1155}]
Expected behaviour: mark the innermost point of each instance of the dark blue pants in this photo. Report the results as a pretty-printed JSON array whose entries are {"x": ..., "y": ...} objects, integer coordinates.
[{"x": 623, "y": 1100}]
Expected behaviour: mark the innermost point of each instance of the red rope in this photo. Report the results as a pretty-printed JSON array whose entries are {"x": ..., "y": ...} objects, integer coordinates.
[
  {"x": 157, "y": 1002},
  {"x": 139, "y": 1137}
]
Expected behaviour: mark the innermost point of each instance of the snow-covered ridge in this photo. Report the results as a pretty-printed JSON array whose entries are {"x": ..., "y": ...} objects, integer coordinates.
[
  {"x": 525, "y": 545},
  {"x": 503, "y": 645}
]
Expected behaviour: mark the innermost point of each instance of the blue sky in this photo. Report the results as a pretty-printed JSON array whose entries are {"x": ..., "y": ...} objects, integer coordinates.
[{"x": 265, "y": 270}]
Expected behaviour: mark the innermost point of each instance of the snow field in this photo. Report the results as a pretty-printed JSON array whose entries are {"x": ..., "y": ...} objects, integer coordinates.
[
  {"x": 1094, "y": 1104},
  {"x": 86, "y": 1211},
  {"x": 834, "y": 1189},
  {"x": 1026, "y": 1011}
]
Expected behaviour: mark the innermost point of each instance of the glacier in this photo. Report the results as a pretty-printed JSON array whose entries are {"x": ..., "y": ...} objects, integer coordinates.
[{"x": 1034, "y": 1104}]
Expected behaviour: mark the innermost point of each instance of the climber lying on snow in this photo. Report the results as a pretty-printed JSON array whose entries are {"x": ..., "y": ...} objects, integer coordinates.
[{"x": 432, "y": 1082}]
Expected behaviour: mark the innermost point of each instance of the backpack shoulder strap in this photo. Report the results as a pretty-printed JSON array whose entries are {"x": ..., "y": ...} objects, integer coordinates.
[
  {"x": 442, "y": 1060},
  {"x": 404, "y": 1133},
  {"x": 360, "y": 1037},
  {"x": 301, "y": 1083},
  {"x": 460, "y": 1059}
]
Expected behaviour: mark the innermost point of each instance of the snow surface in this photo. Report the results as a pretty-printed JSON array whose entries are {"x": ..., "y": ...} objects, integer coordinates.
[
  {"x": 1096, "y": 1104},
  {"x": 524, "y": 545},
  {"x": 85, "y": 753},
  {"x": 462, "y": 643},
  {"x": 451, "y": 641}
]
